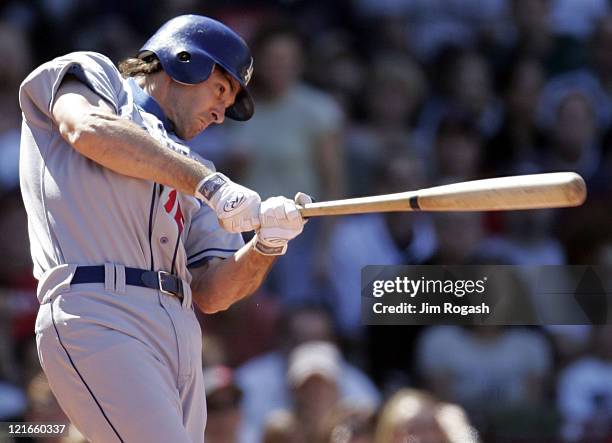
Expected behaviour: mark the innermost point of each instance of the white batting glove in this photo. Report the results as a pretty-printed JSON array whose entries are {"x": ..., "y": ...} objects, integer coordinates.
[
  {"x": 236, "y": 206},
  {"x": 280, "y": 221}
]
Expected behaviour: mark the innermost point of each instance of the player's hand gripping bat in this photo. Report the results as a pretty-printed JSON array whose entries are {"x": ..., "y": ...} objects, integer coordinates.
[{"x": 536, "y": 191}]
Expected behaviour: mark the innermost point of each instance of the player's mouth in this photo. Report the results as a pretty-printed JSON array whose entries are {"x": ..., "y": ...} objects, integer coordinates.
[{"x": 204, "y": 123}]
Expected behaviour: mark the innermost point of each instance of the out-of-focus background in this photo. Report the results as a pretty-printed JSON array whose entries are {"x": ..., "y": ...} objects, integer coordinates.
[{"x": 361, "y": 97}]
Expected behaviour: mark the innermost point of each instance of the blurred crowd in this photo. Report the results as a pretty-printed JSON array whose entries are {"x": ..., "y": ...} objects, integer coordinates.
[{"x": 355, "y": 98}]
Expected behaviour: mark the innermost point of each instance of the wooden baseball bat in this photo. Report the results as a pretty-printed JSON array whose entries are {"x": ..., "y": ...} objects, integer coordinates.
[{"x": 535, "y": 191}]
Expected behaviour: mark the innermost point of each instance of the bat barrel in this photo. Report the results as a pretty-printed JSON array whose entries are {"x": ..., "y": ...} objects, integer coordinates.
[{"x": 536, "y": 191}]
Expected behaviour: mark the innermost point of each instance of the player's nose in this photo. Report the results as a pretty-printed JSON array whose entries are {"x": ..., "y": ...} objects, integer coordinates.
[{"x": 218, "y": 114}]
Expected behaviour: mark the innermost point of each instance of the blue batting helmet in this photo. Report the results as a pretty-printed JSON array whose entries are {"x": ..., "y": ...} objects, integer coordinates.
[{"x": 189, "y": 46}]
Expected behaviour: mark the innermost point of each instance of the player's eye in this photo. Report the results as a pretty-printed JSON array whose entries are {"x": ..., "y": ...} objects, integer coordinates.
[{"x": 221, "y": 89}]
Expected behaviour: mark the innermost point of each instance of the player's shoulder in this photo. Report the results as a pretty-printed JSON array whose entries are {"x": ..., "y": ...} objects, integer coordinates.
[
  {"x": 88, "y": 57},
  {"x": 87, "y": 60}
]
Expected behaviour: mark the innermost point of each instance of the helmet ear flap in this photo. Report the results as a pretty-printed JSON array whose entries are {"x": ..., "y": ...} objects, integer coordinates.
[{"x": 188, "y": 66}]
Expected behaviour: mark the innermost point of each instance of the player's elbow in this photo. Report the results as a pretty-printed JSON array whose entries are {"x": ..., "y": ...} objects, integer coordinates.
[
  {"x": 207, "y": 309},
  {"x": 211, "y": 302},
  {"x": 87, "y": 133},
  {"x": 70, "y": 131},
  {"x": 208, "y": 306}
]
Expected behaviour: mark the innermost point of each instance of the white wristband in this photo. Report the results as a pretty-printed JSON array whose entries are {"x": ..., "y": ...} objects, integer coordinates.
[
  {"x": 209, "y": 185},
  {"x": 265, "y": 249}
]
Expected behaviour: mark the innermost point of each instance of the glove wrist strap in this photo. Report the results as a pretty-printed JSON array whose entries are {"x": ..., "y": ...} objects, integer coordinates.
[
  {"x": 209, "y": 186},
  {"x": 266, "y": 249}
]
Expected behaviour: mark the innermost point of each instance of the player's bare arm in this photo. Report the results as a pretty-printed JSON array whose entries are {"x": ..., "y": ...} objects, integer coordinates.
[
  {"x": 220, "y": 283},
  {"x": 91, "y": 126}
]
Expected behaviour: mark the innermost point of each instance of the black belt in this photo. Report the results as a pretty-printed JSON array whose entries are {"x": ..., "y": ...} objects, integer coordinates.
[{"x": 163, "y": 281}]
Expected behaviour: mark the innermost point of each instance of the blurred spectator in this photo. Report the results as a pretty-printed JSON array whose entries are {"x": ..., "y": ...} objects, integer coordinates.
[
  {"x": 415, "y": 78},
  {"x": 432, "y": 24},
  {"x": 466, "y": 89},
  {"x": 570, "y": 342},
  {"x": 587, "y": 233},
  {"x": 296, "y": 129},
  {"x": 110, "y": 35},
  {"x": 533, "y": 34},
  {"x": 12, "y": 397},
  {"x": 282, "y": 427},
  {"x": 394, "y": 91},
  {"x": 264, "y": 379},
  {"x": 516, "y": 146},
  {"x": 347, "y": 424},
  {"x": 223, "y": 398},
  {"x": 458, "y": 149},
  {"x": 313, "y": 375},
  {"x": 232, "y": 344},
  {"x": 213, "y": 351},
  {"x": 44, "y": 408},
  {"x": 525, "y": 239},
  {"x": 74, "y": 436},
  {"x": 459, "y": 238},
  {"x": 504, "y": 368},
  {"x": 344, "y": 75},
  {"x": 17, "y": 61},
  {"x": 577, "y": 18},
  {"x": 574, "y": 138},
  {"x": 411, "y": 415},
  {"x": 8, "y": 367},
  {"x": 380, "y": 238},
  {"x": 12, "y": 401},
  {"x": 17, "y": 284},
  {"x": 585, "y": 393},
  {"x": 292, "y": 143},
  {"x": 594, "y": 81}
]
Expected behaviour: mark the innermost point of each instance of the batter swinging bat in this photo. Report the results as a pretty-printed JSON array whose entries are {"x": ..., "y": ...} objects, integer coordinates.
[{"x": 536, "y": 191}]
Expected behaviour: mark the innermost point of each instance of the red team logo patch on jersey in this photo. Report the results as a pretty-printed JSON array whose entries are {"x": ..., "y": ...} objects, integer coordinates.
[{"x": 171, "y": 203}]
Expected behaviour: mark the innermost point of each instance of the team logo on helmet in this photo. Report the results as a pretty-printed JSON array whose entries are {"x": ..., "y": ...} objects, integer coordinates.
[{"x": 248, "y": 73}]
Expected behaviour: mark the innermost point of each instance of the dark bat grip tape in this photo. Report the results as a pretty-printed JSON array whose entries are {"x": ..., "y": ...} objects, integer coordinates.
[{"x": 414, "y": 203}]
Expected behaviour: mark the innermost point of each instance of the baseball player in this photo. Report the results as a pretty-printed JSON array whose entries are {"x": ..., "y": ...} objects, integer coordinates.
[{"x": 129, "y": 228}]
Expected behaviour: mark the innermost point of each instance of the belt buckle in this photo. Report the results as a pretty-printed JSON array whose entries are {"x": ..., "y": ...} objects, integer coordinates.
[
  {"x": 160, "y": 280},
  {"x": 161, "y": 275}
]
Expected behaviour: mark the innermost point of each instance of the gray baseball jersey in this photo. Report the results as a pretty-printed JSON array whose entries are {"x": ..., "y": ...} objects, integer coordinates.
[{"x": 80, "y": 213}]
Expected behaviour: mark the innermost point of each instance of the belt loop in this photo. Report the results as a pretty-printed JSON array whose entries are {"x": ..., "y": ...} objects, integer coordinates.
[
  {"x": 109, "y": 277},
  {"x": 120, "y": 279},
  {"x": 187, "y": 296}
]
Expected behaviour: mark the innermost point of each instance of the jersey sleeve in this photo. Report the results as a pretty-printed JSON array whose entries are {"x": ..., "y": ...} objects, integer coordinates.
[
  {"x": 38, "y": 90},
  {"x": 206, "y": 239}
]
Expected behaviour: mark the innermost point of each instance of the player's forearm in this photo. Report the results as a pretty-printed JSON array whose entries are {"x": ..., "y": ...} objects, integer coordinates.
[
  {"x": 230, "y": 280},
  {"x": 122, "y": 146}
]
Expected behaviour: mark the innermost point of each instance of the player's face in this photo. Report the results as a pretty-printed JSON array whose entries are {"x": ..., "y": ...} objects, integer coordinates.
[{"x": 195, "y": 107}]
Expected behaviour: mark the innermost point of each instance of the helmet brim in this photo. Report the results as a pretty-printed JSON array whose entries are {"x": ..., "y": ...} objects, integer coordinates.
[{"x": 243, "y": 107}]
